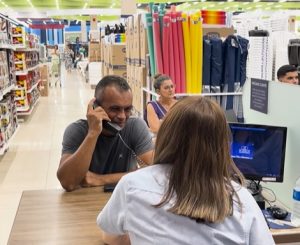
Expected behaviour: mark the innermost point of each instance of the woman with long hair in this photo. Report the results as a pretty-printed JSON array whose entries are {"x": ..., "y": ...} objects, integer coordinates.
[{"x": 193, "y": 194}]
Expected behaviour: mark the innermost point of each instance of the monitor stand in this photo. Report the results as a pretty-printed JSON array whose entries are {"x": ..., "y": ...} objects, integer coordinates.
[{"x": 255, "y": 189}]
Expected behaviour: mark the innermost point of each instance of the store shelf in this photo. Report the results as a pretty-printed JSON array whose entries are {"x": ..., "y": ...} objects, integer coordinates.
[
  {"x": 24, "y": 49},
  {"x": 7, "y": 46},
  {"x": 20, "y": 98},
  {"x": 33, "y": 87},
  {"x": 26, "y": 111},
  {"x": 6, "y": 90},
  {"x": 6, "y": 145},
  {"x": 17, "y": 35},
  {"x": 25, "y": 72},
  {"x": 198, "y": 94}
]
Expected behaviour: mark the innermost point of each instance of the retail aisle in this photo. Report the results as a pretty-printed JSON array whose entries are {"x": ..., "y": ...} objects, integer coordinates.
[{"x": 33, "y": 157}]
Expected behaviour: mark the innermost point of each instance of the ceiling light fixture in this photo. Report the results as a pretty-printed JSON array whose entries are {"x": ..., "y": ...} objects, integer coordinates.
[
  {"x": 282, "y": 1},
  {"x": 29, "y": 1},
  {"x": 256, "y": 1},
  {"x": 57, "y": 5},
  {"x": 230, "y": 0}
]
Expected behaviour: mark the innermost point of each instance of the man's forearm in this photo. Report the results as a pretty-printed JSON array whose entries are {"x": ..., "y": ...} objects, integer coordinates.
[
  {"x": 93, "y": 179},
  {"x": 74, "y": 168}
]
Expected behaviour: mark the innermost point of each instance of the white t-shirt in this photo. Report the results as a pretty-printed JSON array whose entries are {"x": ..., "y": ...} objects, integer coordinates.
[{"x": 129, "y": 211}]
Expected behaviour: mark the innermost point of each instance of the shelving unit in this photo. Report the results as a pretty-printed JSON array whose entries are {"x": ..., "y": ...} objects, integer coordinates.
[
  {"x": 8, "y": 112},
  {"x": 26, "y": 60}
]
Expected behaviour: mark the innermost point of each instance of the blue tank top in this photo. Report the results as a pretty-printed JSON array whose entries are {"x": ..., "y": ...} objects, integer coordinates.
[{"x": 158, "y": 108}]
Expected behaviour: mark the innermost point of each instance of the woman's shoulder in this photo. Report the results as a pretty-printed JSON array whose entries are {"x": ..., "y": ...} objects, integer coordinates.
[{"x": 148, "y": 178}]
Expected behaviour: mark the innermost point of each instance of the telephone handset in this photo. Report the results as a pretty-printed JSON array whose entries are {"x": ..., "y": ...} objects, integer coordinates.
[{"x": 113, "y": 128}]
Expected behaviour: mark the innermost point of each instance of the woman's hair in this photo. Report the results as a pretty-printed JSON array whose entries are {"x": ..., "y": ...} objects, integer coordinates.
[
  {"x": 195, "y": 139},
  {"x": 159, "y": 79}
]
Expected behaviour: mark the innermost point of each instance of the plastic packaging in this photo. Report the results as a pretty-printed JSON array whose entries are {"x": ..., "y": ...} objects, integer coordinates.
[{"x": 295, "y": 217}]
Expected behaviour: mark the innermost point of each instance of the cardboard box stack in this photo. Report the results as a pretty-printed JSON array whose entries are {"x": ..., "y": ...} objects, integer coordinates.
[
  {"x": 94, "y": 52},
  {"x": 114, "y": 59},
  {"x": 44, "y": 84},
  {"x": 137, "y": 49}
]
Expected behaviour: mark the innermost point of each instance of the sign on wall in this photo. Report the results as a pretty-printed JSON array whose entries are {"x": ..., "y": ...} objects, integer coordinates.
[{"x": 259, "y": 95}]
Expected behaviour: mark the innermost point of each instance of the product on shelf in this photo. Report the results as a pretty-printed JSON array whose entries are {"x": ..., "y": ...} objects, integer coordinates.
[
  {"x": 17, "y": 30},
  {"x": 8, "y": 122}
]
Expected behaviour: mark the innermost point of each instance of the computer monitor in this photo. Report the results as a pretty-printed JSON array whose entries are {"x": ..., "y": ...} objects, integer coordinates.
[{"x": 259, "y": 151}]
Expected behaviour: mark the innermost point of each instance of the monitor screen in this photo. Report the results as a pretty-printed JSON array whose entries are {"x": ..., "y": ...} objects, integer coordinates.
[{"x": 259, "y": 151}]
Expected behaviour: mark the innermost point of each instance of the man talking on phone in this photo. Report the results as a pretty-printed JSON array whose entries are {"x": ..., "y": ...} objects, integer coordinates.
[{"x": 100, "y": 150}]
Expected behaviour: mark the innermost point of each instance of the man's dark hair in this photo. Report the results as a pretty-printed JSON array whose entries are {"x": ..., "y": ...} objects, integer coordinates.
[
  {"x": 283, "y": 70},
  {"x": 112, "y": 80}
]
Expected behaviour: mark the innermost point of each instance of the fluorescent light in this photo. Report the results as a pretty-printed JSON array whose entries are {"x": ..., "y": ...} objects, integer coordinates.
[
  {"x": 85, "y": 5},
  {"x": 230, "y": 1},
  {"x": 256, "y": 1},
  {"x": 282, "y": 1},
  {"x": 57, "y": 5},
  {"x": 29, "y": 1}
]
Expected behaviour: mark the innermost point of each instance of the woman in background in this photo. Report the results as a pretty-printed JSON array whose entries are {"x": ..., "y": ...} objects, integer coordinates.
[
  {"x": 157, "y": 109},
  {"x": 68, "y": 55},
  {"x": 193, "y": 193}
]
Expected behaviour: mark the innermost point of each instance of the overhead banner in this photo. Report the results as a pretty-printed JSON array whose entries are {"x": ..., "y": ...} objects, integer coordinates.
[{"x": 259, "y": 95}]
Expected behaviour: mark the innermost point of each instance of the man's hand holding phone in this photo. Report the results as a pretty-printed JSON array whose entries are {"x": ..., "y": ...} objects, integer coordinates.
[{"x": 95, "y": 116}]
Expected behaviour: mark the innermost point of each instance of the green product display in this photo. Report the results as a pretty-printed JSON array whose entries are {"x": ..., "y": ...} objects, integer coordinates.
[
  {"x": 150, "y": 43},
  {"x": 151, "y": 4}
]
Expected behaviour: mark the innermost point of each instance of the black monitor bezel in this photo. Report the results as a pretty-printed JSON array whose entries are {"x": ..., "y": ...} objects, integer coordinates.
[{"x": 283, "y": 150}]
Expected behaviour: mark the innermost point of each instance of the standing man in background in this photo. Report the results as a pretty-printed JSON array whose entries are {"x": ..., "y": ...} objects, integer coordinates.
[
  {"x": 110, "y": 143},
  {"x": 288, "y": 74}
]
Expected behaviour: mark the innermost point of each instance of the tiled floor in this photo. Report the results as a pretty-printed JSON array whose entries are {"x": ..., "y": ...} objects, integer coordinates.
[{"x": 32, "y": 159}]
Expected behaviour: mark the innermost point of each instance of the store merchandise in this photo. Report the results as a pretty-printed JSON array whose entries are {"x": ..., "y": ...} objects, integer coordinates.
[
  {"x": 295, "y": 217},
  {"x": 8, "y": 123},
  {"x": 27, "y": 91},
  {"x": 4, "y": 72},
  {"x": 44, "y": 80}
]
